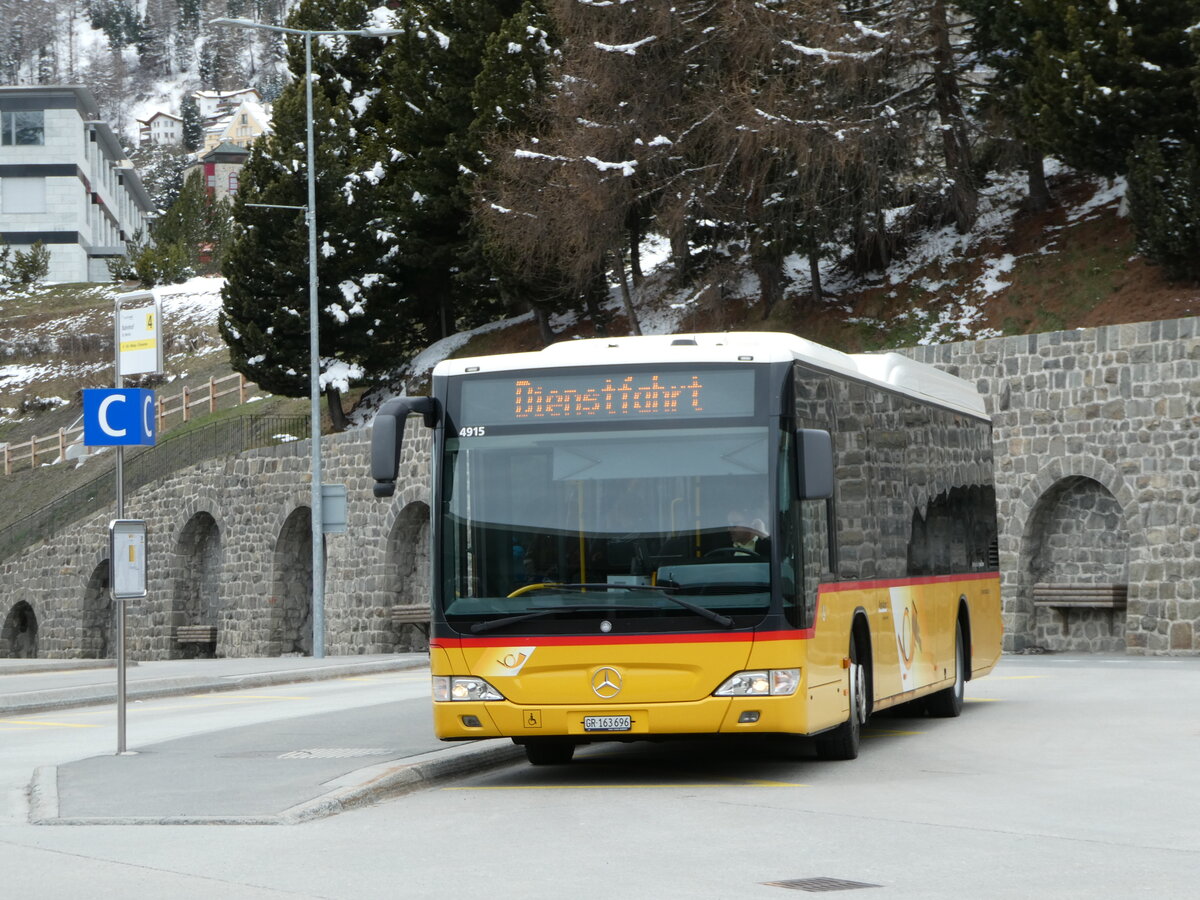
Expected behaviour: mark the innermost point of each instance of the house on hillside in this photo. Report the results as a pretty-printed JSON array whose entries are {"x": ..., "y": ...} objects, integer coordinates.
[
  {"x": 65, "y": 181},
  {"x": 219, "y": 104},
  {"x": 242, "y": 126},
  {"x": 220, "y": 168},
  {"x": 162, "y": 128}
]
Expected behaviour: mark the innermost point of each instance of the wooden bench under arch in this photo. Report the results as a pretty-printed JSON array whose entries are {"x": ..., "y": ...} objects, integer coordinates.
[
  {"x": 1081, "y": 596},
  {"x": 412, "y": 614}
]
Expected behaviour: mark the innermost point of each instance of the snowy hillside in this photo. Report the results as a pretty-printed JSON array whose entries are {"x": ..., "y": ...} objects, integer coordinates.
[{"x": 141, "y": 56}]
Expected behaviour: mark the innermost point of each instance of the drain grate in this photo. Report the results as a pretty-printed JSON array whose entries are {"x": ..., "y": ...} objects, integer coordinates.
[
  {"x": 334, "y": 753},
  {"x": 817, "y": 885}
]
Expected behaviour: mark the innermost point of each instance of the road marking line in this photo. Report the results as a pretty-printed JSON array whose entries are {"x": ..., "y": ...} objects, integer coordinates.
[
  {"x": 572, "y": 787},
  {"x": 36, "y": 724},
  {"x": 218, "y": 699},
  {"x": 985, "y": 699}
]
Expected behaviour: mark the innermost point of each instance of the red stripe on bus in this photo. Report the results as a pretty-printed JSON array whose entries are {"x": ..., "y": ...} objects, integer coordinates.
[
  {"x": 838, "y": 586},
  {"x": 610, "y": 640},
  {"x": 790, "y": 634}
]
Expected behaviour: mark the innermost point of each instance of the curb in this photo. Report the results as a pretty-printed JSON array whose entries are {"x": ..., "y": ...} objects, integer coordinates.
[
  {"x": 370, "y": 785},
  {"x": 64, "y": 698},
  {"x": 49, "y": 666}
]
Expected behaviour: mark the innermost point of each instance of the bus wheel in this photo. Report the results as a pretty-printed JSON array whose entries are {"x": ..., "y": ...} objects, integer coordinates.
[
  {"x": 842, "y": 742},
  {"x": 549, "y": 752},
  {"x": 948, "y": 702}
]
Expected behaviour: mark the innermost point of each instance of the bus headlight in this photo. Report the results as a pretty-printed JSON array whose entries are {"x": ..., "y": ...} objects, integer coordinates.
[
  {"x": 458, "y": 687},
  {"x": 760, "y": 683}
]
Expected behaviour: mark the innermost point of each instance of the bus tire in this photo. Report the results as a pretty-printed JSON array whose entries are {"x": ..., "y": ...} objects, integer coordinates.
[
  {"x": 549, "y": 752},
  {"x": 843, "y": 741},
  {"x": 948, "y": 702}
]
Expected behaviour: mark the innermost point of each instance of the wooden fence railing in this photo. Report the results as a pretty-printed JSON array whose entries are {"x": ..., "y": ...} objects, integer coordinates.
[{"x": 48, "y": 449}]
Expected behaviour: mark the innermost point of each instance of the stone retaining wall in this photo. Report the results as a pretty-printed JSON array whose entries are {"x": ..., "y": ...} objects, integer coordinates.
[
  {"x": 1097, "y": 437},
  {"x": 1100, "y": 427}
]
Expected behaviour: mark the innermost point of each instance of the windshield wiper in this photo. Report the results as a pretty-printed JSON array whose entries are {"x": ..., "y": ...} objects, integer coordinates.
[
  {"x": 711, "y": 615},
  {"x": 480, "y": 627}
]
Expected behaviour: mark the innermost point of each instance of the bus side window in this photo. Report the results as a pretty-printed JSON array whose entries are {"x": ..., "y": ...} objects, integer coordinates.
[
  {"x": 815, "y": 527},
  {"x": 806, "y": 548},
  {"x": 814, "y": 408}
]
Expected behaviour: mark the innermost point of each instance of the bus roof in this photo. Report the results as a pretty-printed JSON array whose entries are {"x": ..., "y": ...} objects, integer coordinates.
[{"x": 890, "y": 370}]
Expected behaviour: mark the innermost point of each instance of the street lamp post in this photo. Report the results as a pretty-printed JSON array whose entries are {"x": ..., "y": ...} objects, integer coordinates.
[{"x": 314, "y": 356}]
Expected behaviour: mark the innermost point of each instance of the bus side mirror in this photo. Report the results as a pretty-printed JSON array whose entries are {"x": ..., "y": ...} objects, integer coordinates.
[
  {"x": 814, "y": 464},
  {"x": 387, "y": 438}
]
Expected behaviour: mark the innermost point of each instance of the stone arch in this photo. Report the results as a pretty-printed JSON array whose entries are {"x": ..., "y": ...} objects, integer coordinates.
[
  {"x": 97, "y": 638},
  {"x": 198, "y": 557},
  {"x": 406, "y": 567},
  {"x": 291, "y": 585},
  {"x": 1077, "y": 524},
  {"x": 18, "y": 636}
]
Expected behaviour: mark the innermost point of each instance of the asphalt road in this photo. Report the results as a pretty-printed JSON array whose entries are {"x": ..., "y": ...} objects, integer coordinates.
[{"x": 1065, "y": 777}]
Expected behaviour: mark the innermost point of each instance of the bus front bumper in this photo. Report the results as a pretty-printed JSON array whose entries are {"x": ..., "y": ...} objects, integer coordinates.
[{"x": 459, "y": 720}]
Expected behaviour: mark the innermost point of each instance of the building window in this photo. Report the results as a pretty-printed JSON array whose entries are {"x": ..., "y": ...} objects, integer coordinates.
[
  {"x": 24, "y": 127},
  {"x": 233, "y": 182},
  {"x": 23, "y": 195}
]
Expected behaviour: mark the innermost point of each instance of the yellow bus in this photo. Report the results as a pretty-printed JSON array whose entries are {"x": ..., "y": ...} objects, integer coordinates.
[{"x": 737, "y": 534}]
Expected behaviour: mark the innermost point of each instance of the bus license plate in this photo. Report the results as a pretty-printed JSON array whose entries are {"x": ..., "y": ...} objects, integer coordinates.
[{"x": 607, "y": 723}]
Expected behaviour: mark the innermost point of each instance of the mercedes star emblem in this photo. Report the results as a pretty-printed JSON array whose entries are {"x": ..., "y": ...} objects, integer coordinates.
[{"x": 606, "y": 683}]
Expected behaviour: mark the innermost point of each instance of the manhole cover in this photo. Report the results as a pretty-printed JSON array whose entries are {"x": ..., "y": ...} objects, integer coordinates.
[
  {"x": 816, "y": 885},
  {"x": 334, "y": 753}
]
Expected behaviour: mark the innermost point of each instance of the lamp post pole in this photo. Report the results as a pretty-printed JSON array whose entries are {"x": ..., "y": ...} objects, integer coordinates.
[
  {"x": 314, "y": 369},
  {"x": 314, "y": 347}
]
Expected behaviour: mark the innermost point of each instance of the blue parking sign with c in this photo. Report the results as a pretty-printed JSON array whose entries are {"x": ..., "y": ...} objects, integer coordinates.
[{"x": 116, "y": 417}]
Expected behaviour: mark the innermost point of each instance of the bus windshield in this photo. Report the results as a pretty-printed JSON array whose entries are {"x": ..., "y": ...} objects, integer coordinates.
[{"x": 548, "y": 532}]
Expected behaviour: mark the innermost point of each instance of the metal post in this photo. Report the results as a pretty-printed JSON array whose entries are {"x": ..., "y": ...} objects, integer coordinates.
[
  {"x": 119, "y": 382},
  {"x": 318, "y": 546},
  {"x": 314, "y": 371}
]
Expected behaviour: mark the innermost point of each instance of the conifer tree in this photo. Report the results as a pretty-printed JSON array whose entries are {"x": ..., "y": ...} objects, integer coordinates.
[
  {"x": 193, "y": 128},
  {"x": 1102, "y": 75},
  {"x": 512, "y": 84},
  {"x": 196, "y": 223},
  {"x": 265, "y": 312},
  {"x": 1164, "y": 199},
  {"x": 418, "y": 139}
]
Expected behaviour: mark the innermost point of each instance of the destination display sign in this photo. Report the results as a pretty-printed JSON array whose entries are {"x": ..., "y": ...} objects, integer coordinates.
[{"x": 525, "y": 398}]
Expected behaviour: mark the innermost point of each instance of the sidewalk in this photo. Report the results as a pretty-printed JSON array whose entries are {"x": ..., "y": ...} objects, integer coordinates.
[
  {"x": 224, "y": 778},
  {"x": 39, "y": 685}
]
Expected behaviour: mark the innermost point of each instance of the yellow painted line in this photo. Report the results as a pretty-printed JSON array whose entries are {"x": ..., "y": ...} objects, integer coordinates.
[
  {"x": 148, "y": 706},
  {"x": 984, "y": 700},
  {"x": 584, "y": 787},
  {"x": 241, "y": 697},
  {"x": 1014, "y": 677},
  {"x": 36, "y": 724},
  {"x": 759, "y": 782}
]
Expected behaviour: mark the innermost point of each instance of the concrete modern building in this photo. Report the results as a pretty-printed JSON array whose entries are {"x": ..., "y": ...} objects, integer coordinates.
[{"x": 65, "y": 181}]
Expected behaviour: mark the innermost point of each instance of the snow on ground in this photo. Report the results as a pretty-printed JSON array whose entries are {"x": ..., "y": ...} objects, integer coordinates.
[{"x": 196, "y": 301}]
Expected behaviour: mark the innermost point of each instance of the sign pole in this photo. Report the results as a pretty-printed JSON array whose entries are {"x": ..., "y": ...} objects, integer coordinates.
[
  {"x": 119, "y": 382},
  {"x": 135, "y": 348}
]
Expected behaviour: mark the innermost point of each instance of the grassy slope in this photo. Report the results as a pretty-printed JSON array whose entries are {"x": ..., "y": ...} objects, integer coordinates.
[{"x": 65, "y": 332}]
